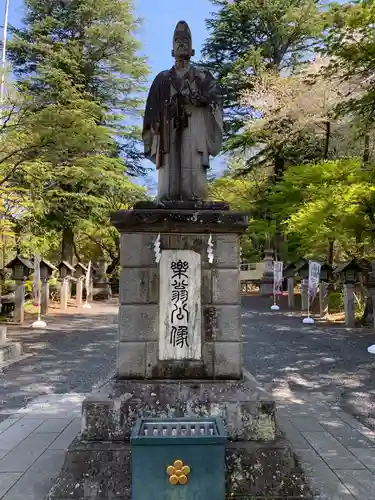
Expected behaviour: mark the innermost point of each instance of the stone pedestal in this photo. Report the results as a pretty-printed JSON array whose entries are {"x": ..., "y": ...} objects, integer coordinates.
[
  {"x": 221, "y": 349},
  {"x": 102, "y": 288},
  {"x": 323, "y": 299},
  {"x": 156, "y": 379},
  {"x": 19, "y": 301},
  {"x": 291, "y": 293},
  {"x": 44, "y": 297},
  {"x": 79, "y": 291},
  {"x": 260, "y": 463},
  {"x": 64, "y": 292},
  {"x": 266, "y": 284},
  {"x": 304, "y": 294},
  {"x": 349, "y": 305}
]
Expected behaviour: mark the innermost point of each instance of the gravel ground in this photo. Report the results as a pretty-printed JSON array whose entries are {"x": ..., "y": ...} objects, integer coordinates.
[
  {"x": 326, "y": 363},
  {"x": 74, "y": 354}
]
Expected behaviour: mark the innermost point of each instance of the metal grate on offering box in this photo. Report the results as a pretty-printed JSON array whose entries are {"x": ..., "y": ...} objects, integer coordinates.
[{"x": 160, "y": 428}]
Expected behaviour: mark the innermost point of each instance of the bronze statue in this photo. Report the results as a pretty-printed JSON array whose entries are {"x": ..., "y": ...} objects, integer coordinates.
[{"x": 183, "y": 124}]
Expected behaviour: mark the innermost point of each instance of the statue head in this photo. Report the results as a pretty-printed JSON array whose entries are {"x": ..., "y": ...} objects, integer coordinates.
[{"x": 182, "y": 42}]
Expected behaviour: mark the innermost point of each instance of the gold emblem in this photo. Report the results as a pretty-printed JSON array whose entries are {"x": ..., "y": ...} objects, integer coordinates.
[{"x": 178, "y": 473}]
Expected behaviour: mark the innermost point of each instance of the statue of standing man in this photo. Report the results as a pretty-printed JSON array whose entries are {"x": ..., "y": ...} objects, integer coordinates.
[{"x": 183, "y": 124}]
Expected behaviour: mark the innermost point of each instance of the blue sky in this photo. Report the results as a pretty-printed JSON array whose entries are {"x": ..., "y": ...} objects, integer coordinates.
[{"x": 159, "y": 20}]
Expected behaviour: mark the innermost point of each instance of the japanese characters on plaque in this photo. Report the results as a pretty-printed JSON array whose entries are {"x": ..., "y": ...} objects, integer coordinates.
[{"x": 180, "y": 305}]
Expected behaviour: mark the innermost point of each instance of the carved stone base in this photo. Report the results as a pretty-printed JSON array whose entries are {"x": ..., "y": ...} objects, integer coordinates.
[
  {"x": 247, "y": 410},
  {"x": 260, "y": 464},
  {"x": 101, "y": 291}
]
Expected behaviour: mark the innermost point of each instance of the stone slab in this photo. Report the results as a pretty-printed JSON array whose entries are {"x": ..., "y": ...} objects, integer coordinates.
[
  {"x": 39, "y": 478},
  {"x": 344, "y": 433},
  {"x": 226, "y": 286},
  {"x": 27, "y": 452},
  {"x": 355, "y": 424},
  {"x": 157, "y": 220},
  {"x": 323, "y": 481},
  {"x": 334, "y": 454},
  {"x": 222, "y": 323},
  {"x": 67, "y": 436},
  {"x": 8, "y": 422},
  {"x": 180, "y": 306},
  {"x": 361, "y": 483},
  {"x": 247, "y": 410},
  {"x": 7, "y": 480},
  {"x": 12, "y": 436},
  {"x": 137, "y": 250},
  {"x": 228, "y": 360},
  {"x": 138, "y": 322},
  {"x": 293, "y": 435},
  {"x": 182, "y": 205},
  {"x": 131, "y": 360},
  {"x": 306, "y": 424},
  {"x": 54, "y": 425},
  {"x": 366, "y": 456}
]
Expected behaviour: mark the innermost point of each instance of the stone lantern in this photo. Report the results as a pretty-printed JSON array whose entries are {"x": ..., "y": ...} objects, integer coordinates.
[
  {"x": 266, "y": 283},
  {"x": 46, "y": 270},
  {"x": 102, "y": 288},
  {"x": 21, "y": 270},
  {"x": 80, "y": 273},
  {"x": 289, "y": 273},
  {"x": 349, "y": 272},
  {"x": 66, "y": 271}
]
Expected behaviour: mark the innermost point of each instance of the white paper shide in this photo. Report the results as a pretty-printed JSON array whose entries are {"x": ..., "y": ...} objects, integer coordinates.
[{"x": 180, "y": 305}]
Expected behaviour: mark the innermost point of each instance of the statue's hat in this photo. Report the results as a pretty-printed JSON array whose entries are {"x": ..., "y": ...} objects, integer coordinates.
[{"x": 182, "y": 27}]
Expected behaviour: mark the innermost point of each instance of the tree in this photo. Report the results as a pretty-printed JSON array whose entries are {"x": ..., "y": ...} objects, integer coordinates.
[
  {"x": 296, "y": 118},
  {"x": 349, "y": 42},
  {"x": 247, "y": 36},
  {"x": 78, "y": 60},
  {"x": 325, "y": 202}
]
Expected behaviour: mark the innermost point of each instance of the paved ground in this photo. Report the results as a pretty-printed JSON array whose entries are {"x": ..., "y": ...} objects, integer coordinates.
[
  {"x": 326, "y": 364},
  {"x": 336, "y": 452}
]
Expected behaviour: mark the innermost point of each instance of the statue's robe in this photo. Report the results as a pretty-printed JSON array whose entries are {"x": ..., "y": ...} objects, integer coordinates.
[{"x": 182, "y": 157}]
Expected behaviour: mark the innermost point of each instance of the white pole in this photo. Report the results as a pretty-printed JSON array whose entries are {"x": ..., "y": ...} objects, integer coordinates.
[
  {"x": 39, "y": 323},
  {"x": 4, "y": 51},
  {"x": 86, "y": 305},
  {"x": 308, "y": 320}
]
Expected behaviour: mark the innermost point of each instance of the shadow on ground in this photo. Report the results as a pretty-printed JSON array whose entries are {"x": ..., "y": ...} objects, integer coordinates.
[
  {"x": 310, "y": 361},
  {"x": 74, "y": 354}
]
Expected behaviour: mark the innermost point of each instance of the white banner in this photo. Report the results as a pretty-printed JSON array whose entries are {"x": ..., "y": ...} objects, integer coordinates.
[
  {"x": 314, "y": 277},
  {"x": 278, "y": 267},
  {"x": 36, "y": 283},
  {"x": 88, "y": 281}
]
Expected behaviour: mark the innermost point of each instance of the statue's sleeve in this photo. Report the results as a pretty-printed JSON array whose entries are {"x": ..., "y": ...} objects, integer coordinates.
[
  {"x": 213, "y": 115},
  {"x": 155, "y": 114}
]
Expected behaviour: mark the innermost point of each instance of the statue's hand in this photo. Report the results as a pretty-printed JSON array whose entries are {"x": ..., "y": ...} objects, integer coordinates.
[{"x": 197, "y": 99}]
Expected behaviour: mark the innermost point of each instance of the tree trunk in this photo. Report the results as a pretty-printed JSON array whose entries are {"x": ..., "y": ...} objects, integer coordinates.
[
  {"x": 67, "y": 245},
  {"x": 327, "y": 139},
  {"x": 366, "y": 150},
  {"x": 331, "y": 247},
  {"x": 112, "y": 266},
  {"x": 279, "y": 168}
]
